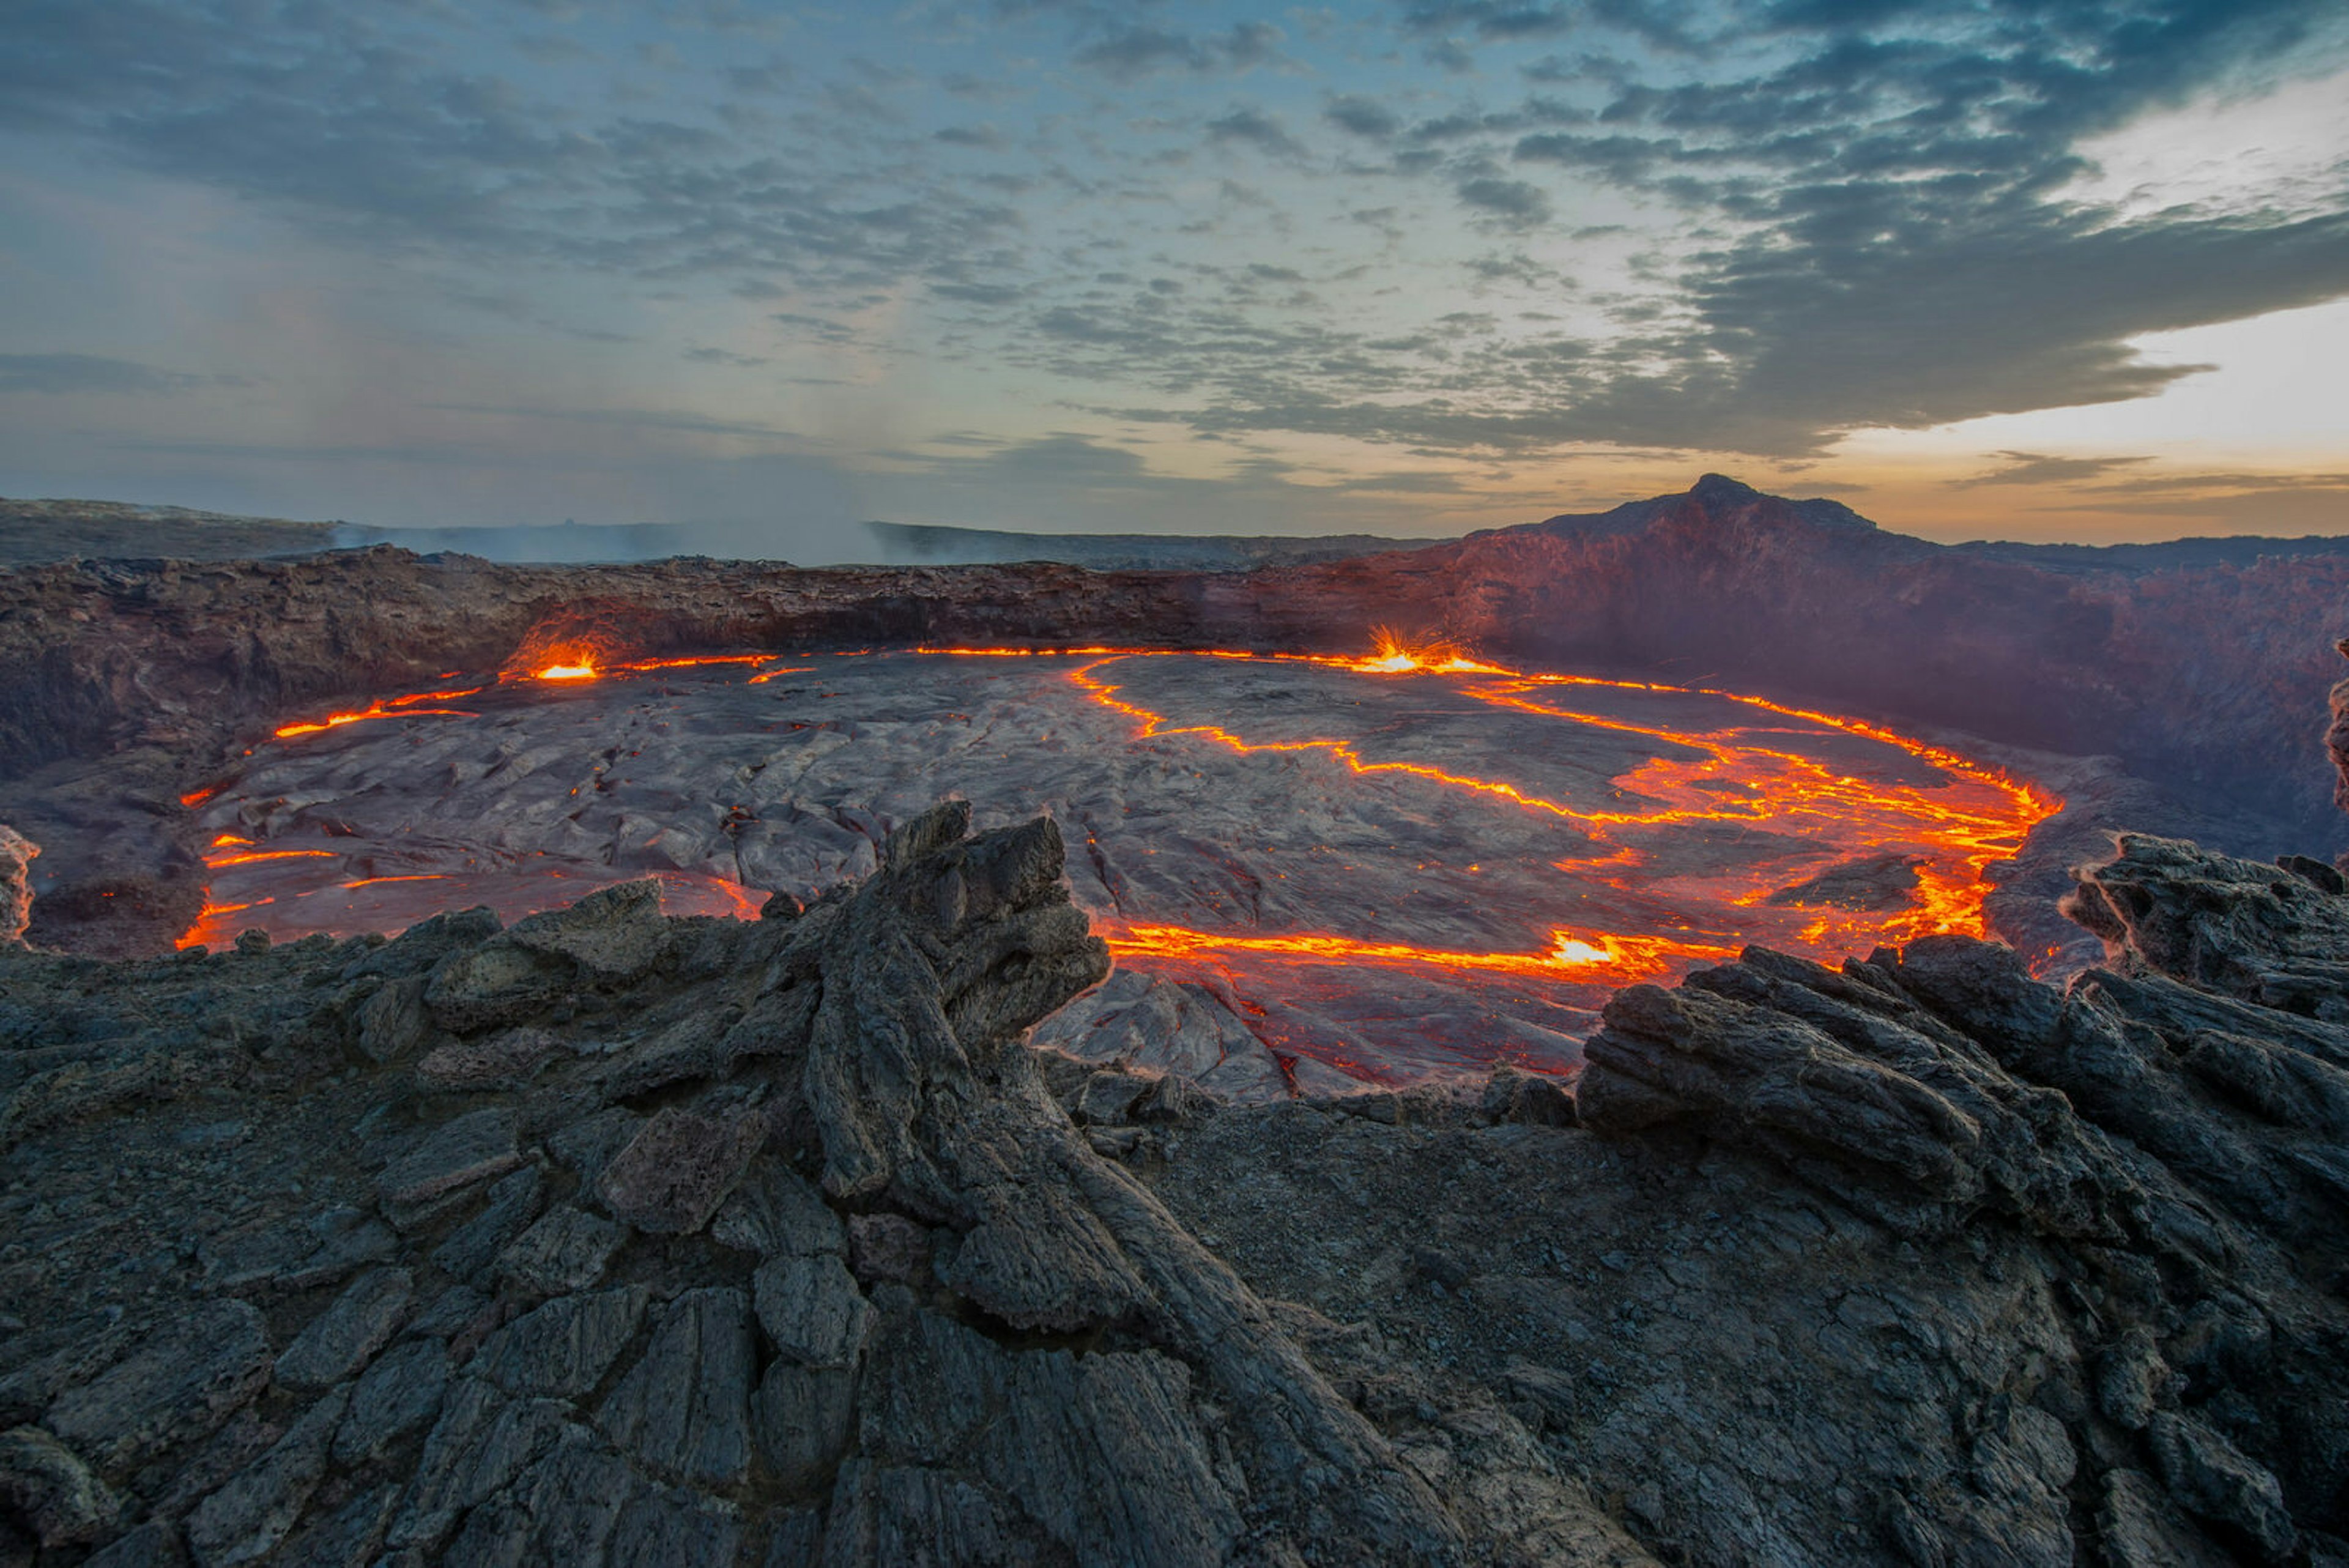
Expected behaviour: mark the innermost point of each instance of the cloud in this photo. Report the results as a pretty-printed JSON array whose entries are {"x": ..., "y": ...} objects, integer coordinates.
[
  {"x": 1258, "y": 129},
  {"x": 2275, "y": 504},
  {"x": 1487, "y": 19},
  {"x": 1803, "y": 216},
  {"x": 392, "y": 139},
  {"x": 1130, "y": 50},
  {"x": 1511, "y": 204},
  {"x": 63, "y": 374},
  {"x": 2036, "y": 468},
  {"x": 1362, "y": 116},
  {"x": 1514, "y": 21},
  {"x": 724, "y": 356},
  {"x": 1065, "y": 457},
  {"x": 665, "y": 420}
]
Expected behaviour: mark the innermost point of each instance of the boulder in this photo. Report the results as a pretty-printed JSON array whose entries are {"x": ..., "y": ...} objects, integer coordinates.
[{"x": 680, "y": 1166}]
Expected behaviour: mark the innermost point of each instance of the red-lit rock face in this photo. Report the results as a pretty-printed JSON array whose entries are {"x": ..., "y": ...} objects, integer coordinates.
[{"x": 1310, "y": 868}]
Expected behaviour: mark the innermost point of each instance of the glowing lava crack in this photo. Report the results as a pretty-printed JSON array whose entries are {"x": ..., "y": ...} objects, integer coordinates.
[{"x": 1287, "y": 849}]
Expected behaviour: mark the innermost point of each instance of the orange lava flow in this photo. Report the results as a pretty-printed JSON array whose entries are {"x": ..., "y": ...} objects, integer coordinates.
[
  {"x": 407, "y": 706},
  {"x": 579, "y": 666},
  {"x": 1605, "y": 958},
  {"x": 747, "y": 902},
  {"x": 1979, "y": 816},
  {"x": 1946, "y": 834},
  {"x": 696, "y": 661},
  {"x": 216, "y": 861},
  {"x": 566, "y": 667}
]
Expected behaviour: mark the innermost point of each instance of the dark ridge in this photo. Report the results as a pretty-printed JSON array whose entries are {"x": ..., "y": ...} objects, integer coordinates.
[{"x": 934, "y": 543}]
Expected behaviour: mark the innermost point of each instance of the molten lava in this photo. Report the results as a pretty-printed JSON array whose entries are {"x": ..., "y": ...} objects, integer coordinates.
[
  {"x": 1611, "y": 960},
  {"x": 1771, "y": 792},
  {"x": 407, "y": 706},
  {"x": 1390, "y": 655}
]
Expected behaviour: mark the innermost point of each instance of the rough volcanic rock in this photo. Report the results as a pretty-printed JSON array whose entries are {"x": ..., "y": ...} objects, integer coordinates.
[
  {"x": 180, "y": 1383},
  {"x": 1919, "y": 1259},
  {"x": 44, "y": 1483},
  {"x": 339, "y": 1341},
  {"x": 672, "y": 1176},
  {"x": 2260, "y": 932},
  {"x": 662, "y": 1414},
  {"x": 684, "y": 1409},
  {"x": 2157, "y": 1143}
]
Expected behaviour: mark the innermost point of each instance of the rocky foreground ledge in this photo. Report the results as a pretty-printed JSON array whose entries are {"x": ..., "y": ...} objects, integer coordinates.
[{"x": 615, "y": 1237}]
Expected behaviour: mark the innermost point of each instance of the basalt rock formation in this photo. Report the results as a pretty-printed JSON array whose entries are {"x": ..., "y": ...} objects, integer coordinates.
[
  {"x": 2146, "y": 1167},
  {"x": 608, "y": 1237}
]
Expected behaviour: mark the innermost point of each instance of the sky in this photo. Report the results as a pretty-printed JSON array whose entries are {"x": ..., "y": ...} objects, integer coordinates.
[{"x": 2073, "y": 270}]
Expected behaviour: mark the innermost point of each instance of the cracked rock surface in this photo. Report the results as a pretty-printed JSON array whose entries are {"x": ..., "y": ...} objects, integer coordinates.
[
  {"x": 844, "y": 1282},
  {"x": 778, "y": 1241}
]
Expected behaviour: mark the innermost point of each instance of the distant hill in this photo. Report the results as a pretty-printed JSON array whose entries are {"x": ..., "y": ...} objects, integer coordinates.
[
  {"x": 921, "y": 543},
  {"x": 1720, "y": 492},
  {"x": 1713, "y": 489},
  {"x": 2237, "y": 550},
  {"x": 32, "y": 532},
  {"x": 58, "y": 530}
]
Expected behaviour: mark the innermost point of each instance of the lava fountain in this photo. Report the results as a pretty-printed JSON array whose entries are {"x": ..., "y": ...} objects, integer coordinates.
[{"x": 1313, "y": 870}]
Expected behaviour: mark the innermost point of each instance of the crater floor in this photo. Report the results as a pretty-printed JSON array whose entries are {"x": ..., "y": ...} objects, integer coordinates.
[{"x": 1313, "y": 872}]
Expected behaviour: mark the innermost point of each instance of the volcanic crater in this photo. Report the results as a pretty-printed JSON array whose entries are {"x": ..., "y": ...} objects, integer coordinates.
[{"x": 1317, "y": 872}]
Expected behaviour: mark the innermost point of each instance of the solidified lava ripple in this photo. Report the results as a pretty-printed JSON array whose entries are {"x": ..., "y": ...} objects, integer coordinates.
[{"x": 1378, "y": 867}]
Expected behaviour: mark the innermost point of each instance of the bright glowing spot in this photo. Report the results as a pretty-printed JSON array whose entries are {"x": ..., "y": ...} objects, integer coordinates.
[
  {"x": 567, "y": 672},
  {"x": 1392, "y": 656}
]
